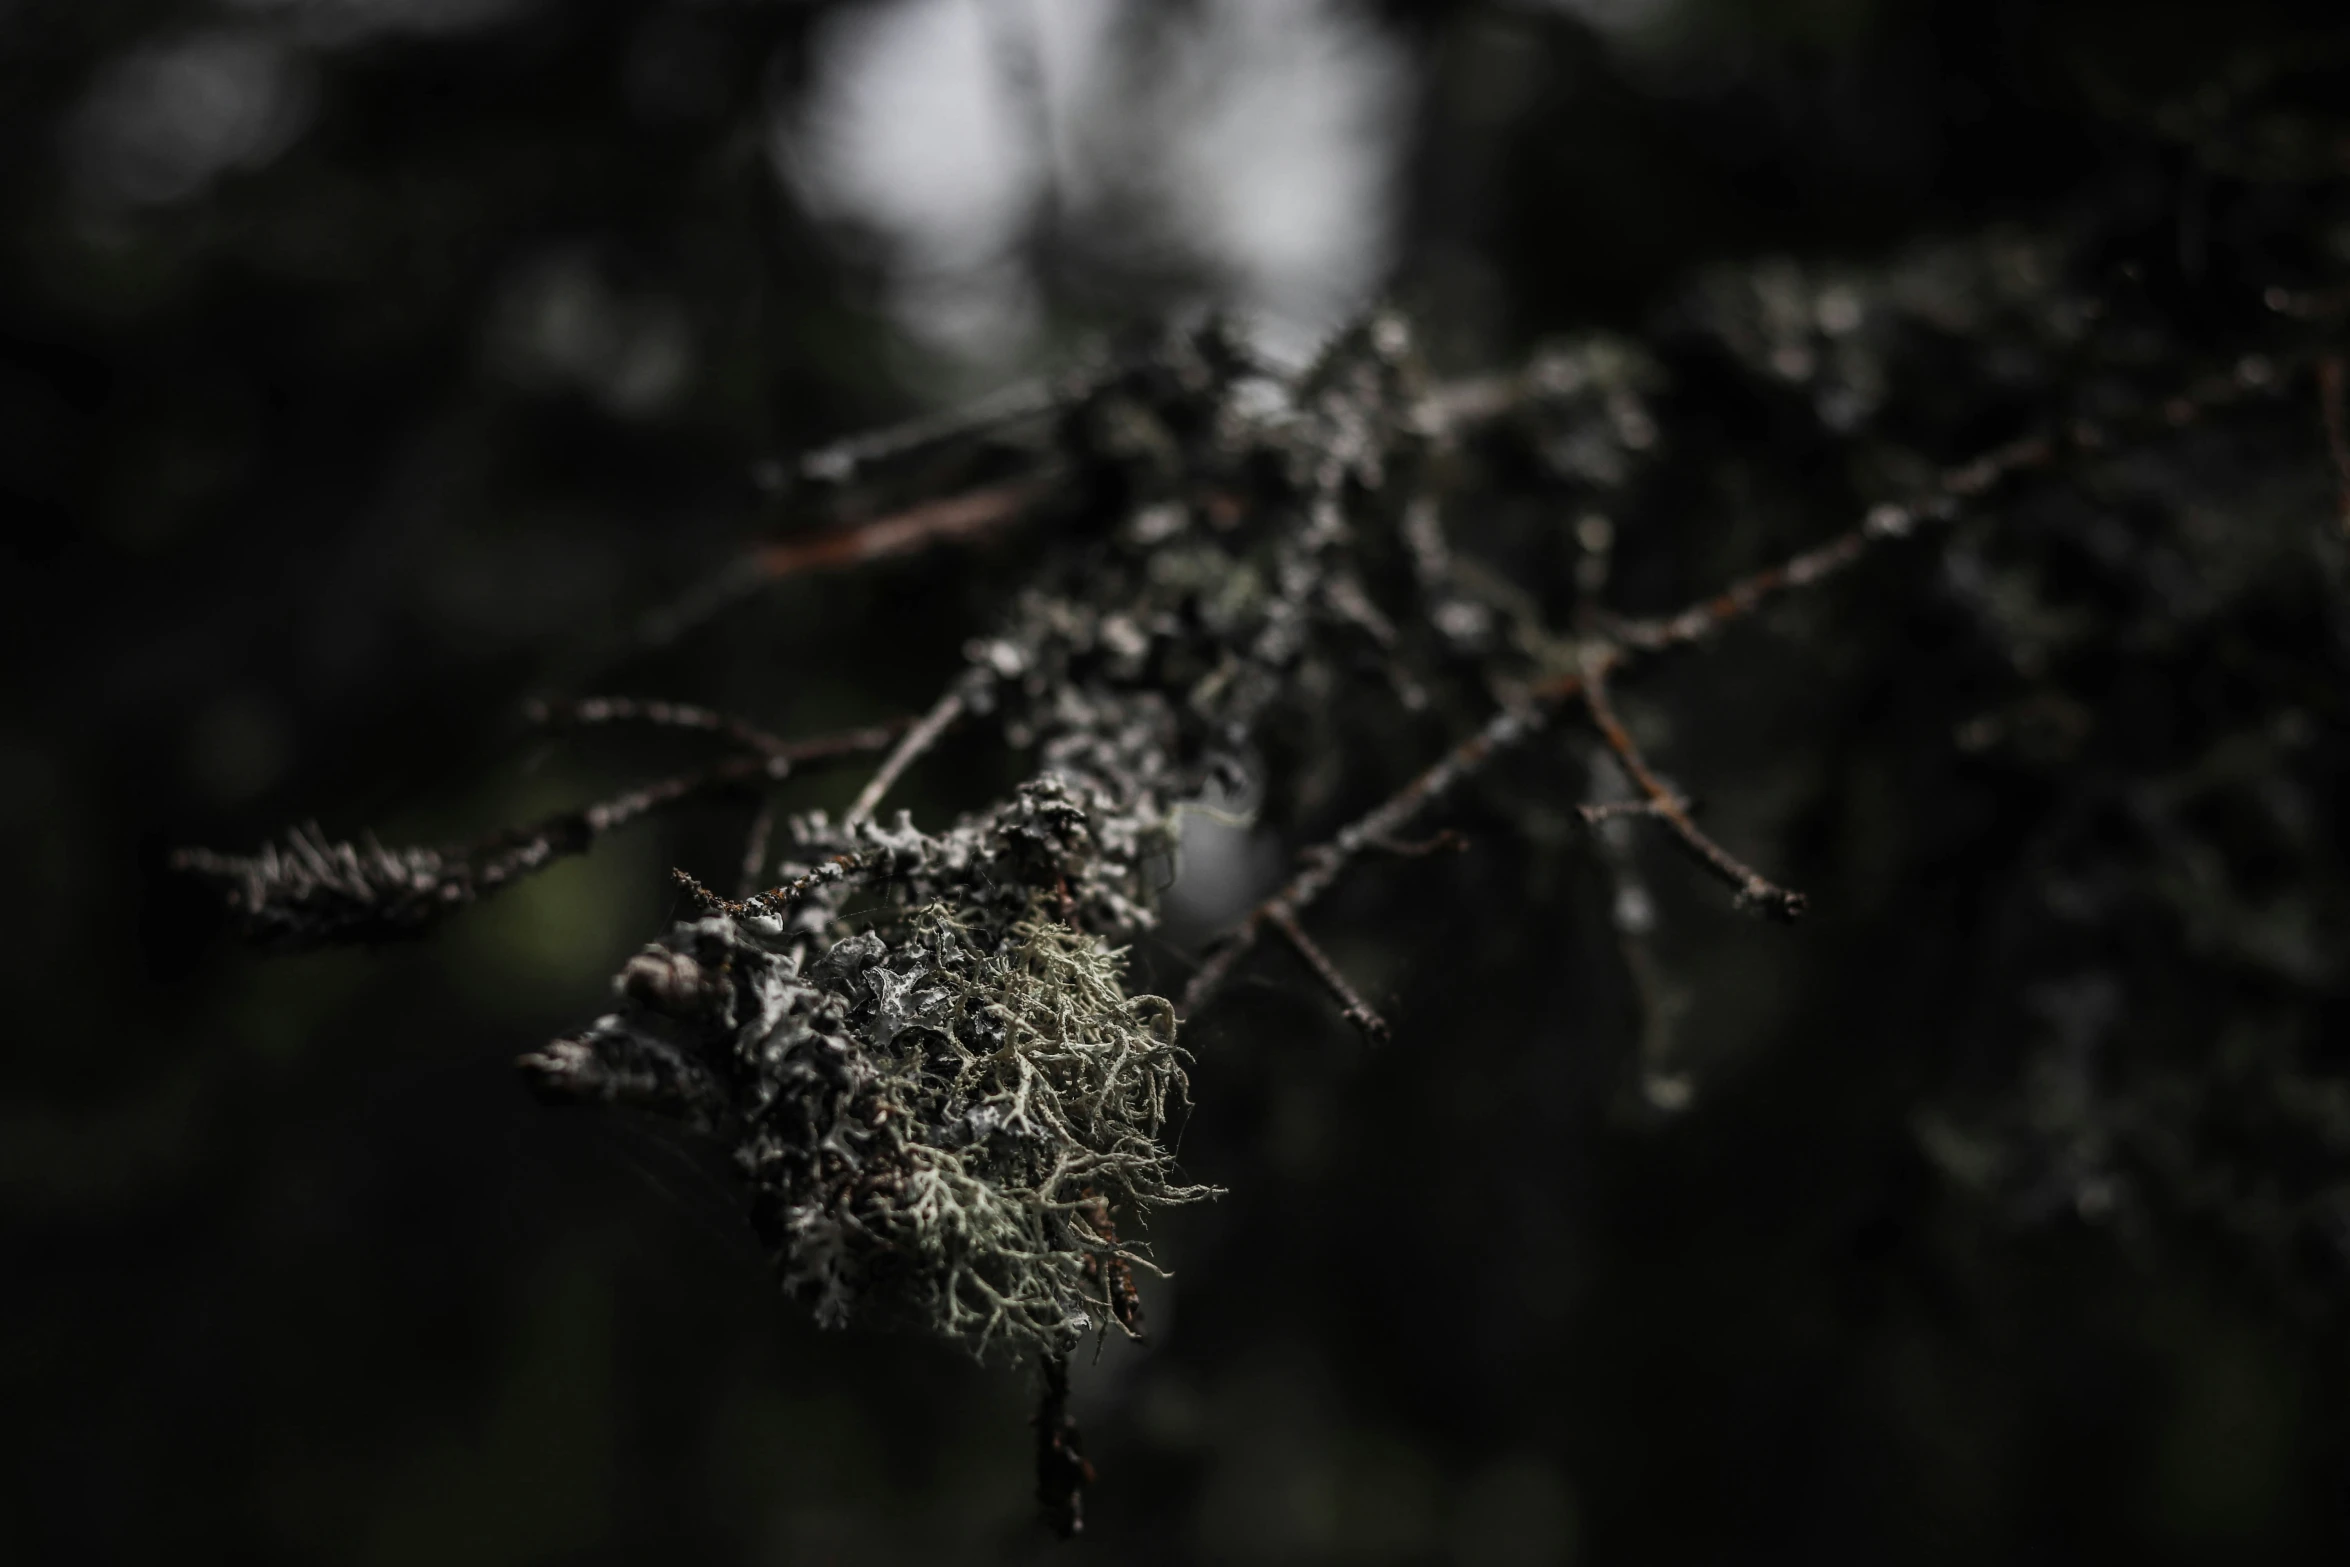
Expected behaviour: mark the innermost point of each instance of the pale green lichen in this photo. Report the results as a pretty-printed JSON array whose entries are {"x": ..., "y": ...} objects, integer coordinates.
[
  {"x": 941, "y": 1096},
  {"x": 1018, "y": 1089}
]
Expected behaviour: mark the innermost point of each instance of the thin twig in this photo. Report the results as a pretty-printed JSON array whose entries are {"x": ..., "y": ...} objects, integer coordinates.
[
  {"x": 314, "y": 891},
  {"x": 1062, "y": 1472},
  {"x": 600, "y": 710},
  {"x": 516, "y": 853},
  {"x": 916, "y": 740},
  {"x": 1753, "y": 890},
  {"x": 1350, "y": 1002},
  {"x": 1945, "y": 501},
  {"x": 1446, "y": 841},
  {"x": 964, "y": 516},
  {"x": 1374, "y": 829},
  {"x": 1022, "y": 400},
  {"x": 776, "y": 900},
  {"x": 840, "y": 747},
  {"x": 1743, "y": 597},
  {"x": 1595, "y": 812},
  {"x": 734, "y": 773},
  {"x": 2337, "y": 428},
  {"x": 597, "y": 711},
  {"x": 952, "y": 517},
  {"x": 1632, "y": 915}
]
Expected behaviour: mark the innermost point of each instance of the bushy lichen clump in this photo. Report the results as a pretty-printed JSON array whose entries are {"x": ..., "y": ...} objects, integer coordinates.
[{"x": 937, "y": 1088}]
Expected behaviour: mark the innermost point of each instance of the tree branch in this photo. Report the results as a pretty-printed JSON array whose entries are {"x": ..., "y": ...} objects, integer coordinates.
[
  {"x": 1373, "y": 830},
  {"x": 1351, "y": 1004},
  {"x": 597, "y": 711},
  {"x": 1944, "y": 502},
  {"x": 600, "y": 711},
  {"x": 1062, "y": 1471},
  {"x": 951, "y": 518},
  {"x": 921, "y": 737},
  {"x": 842, "y": 460},
  {"x": 1753, "y": 890},
  {"x": 315, "y": 892}
]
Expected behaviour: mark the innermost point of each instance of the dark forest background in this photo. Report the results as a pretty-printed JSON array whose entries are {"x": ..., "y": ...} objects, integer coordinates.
[{"x": 368, "y": 366}]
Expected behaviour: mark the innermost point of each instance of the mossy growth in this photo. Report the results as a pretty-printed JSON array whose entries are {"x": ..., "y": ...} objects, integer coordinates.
[
  {"x": 939, "y": 1092},
  {"x": 1017, "y": 1095}
]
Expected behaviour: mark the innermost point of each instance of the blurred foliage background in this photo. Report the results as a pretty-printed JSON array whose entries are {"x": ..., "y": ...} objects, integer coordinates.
[{"x": 369, "y": 365}]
